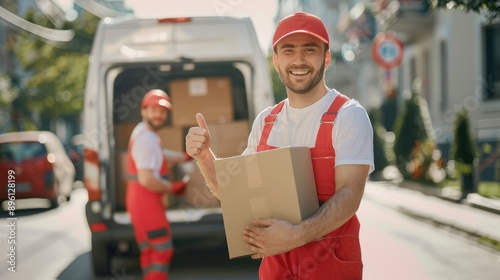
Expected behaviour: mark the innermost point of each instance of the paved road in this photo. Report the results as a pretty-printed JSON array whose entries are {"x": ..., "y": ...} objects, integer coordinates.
[
  {"x": 399, "y": 247},
  {"x": 55, "y": 244}
]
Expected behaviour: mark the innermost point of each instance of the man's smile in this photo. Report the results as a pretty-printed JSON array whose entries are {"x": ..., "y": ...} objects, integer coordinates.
[{"x": 300, "y": 72}]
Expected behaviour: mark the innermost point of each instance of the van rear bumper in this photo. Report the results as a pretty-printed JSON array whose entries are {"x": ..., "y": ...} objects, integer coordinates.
[{"x": 210, "y": 226}]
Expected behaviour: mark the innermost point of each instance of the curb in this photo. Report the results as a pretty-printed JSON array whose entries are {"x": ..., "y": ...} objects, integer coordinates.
[
  {"x": 481, "y": 202},
  {"x": 442, "y": 209}
]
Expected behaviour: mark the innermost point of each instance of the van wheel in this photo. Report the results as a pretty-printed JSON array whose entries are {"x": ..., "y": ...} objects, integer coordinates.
[{"x": 100, "y": 259}]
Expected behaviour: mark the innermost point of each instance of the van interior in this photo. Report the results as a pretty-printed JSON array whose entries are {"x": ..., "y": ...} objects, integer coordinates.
[{"x": 192, "y": 87}]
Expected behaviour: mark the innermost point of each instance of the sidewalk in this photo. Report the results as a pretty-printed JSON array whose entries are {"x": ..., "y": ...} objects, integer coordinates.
[{"x": 444, "y": 210}]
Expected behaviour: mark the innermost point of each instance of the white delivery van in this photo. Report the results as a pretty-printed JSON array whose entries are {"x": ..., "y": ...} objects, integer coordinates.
[{"x": 212, "y": 65}]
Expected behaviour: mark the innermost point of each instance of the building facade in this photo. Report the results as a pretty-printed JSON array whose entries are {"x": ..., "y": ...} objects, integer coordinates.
[{"x": 451, "y": 57}]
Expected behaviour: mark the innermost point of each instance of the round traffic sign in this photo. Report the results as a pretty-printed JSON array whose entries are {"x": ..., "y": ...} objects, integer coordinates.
[{"x": 387, "y": 50}]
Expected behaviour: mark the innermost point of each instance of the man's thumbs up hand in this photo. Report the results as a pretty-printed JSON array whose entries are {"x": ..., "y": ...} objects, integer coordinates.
[
  {"x": 200, "y": 119},
  {"x": 198, "y": 138}
]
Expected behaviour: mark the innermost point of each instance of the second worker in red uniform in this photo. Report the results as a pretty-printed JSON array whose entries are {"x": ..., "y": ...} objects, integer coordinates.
[{"x": 148, "y": 182}]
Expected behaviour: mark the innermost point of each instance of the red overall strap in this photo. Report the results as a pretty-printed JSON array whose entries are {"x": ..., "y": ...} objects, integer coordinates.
[
  {"x": 269, "y": 122},
  {"x": 324, "y": 137}
]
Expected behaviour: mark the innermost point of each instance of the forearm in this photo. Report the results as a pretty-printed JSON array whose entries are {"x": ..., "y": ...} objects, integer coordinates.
[
  {"x": 350, "y": 183},
  {"x": 331, "y": 215},
  {"x": 207, "y": 167},
  {"x": 174, "y": 156},
  {"x": 156, "y": 184}
]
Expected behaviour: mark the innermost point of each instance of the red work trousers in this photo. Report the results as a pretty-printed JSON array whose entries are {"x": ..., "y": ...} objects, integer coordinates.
[
  {"x": 337, "y": 257},
  {"x": 152, "y": 231}
]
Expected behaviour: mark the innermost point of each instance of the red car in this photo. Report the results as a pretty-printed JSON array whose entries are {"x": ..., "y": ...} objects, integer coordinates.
[{"x": 39, "y": 165}]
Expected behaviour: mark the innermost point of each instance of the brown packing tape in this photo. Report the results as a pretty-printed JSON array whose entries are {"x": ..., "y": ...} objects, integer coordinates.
[{"x": 254, "y": 177}]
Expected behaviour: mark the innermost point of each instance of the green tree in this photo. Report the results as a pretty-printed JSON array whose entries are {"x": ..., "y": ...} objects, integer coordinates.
[
  {"x": 463, "y": 149},
  {"x": 381, "y": 158},
  {"x": 414, "y": 146},
  {"x": 463, "y": 152},
  {"x": 490, "y": 7},
  {"x": 8, "y": 93},
  {"x": 57, "y": 71}
]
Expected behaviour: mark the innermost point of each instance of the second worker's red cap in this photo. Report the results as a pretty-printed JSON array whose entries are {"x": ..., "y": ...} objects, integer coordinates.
[{"x": 156, "y": 97}]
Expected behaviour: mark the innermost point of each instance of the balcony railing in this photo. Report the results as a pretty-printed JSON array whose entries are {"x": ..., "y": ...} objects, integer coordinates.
[{"x": 412, "y": 17}]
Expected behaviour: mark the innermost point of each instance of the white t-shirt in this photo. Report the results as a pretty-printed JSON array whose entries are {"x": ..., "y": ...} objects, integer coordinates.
[
  {"x": 352, "y": 132},
  {"x": 146, "y": 150}
]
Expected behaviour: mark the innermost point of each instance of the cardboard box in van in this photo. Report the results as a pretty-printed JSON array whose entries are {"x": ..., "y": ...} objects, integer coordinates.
[
  {"x": 197, "y": 194},
  {"x": 228, "y": 139},
  {"x": 277, "y": 183},
  {"x": 121, "y": 162},
  {"x": 210, "y": 96},
  {"x": 122, "y": 135},
  {"x": 173, "y": 138}
]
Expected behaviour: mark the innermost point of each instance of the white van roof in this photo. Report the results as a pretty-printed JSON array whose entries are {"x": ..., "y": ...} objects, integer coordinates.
[{"x": 129, "y": 39}]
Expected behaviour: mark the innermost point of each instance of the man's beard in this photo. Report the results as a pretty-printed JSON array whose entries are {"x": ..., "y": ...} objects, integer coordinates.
[
  {"x": 284, "y": 77},
  {"x": 153, "y": 126}
]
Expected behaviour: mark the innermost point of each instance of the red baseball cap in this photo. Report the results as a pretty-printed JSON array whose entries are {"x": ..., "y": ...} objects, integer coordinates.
[
  {"x": 301, "y": 22},
  {"x": 156, "y": 97}
]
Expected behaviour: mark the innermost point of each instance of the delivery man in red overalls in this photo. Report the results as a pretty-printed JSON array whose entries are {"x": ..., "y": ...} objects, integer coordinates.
[
  {"x": 339, "y": 134},
  {"x": 148, "y": 182}
]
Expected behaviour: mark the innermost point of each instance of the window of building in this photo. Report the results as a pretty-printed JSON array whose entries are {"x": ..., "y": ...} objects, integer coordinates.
[{"x": 492, "y": 62}]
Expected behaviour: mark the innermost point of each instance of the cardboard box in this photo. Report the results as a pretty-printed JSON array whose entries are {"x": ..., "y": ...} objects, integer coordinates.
[
  {"x": 121, "y": 177},
  {"x": 173, "y": 138},
  {"x": 122, "y": 135},
  {"x": 229, "y": 139},
  {"x": 211, "y": 96},
  {"x": 197, "y": 194},
  {"x": 277, "y": 183}
]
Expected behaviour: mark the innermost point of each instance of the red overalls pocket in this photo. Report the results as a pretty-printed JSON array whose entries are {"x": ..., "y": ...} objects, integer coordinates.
[
  {"x": 347, "y": 263},
  {"x": 323, "y": 161},
  {"x": 333, "y": 257}
]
